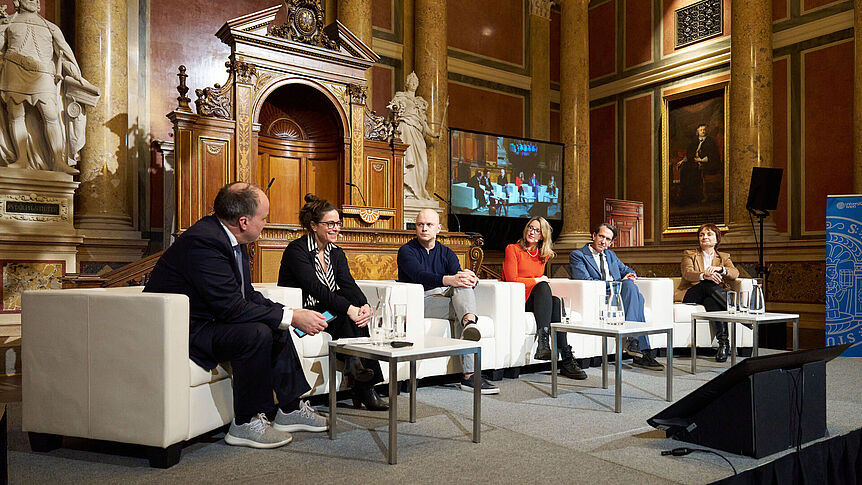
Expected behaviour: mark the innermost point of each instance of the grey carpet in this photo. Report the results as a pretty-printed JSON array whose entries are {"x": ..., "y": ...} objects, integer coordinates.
[{"x": 527, "y": 436}]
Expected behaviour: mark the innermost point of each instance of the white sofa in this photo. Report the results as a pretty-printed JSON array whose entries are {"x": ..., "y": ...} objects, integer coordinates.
[{"x": 94, "y": 358}]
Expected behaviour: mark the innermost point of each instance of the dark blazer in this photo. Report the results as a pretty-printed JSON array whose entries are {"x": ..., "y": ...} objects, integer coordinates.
[
  {"x": 201, "y": 265},
  {"x": 583, "y": 266},
  {"x": 297, "y": 270}
]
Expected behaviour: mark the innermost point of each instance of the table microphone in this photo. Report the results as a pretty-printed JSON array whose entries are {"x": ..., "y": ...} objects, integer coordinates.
[
  {"x": 457, "y": 221},
  {"x": 358, "y": 190}
]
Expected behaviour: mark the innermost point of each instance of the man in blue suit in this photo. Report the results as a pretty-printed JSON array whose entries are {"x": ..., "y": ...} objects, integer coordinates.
[{"x": 596, "y": 262}]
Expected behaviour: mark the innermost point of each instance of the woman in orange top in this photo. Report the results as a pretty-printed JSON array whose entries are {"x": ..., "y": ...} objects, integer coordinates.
[{"x": 525, "y": 263}]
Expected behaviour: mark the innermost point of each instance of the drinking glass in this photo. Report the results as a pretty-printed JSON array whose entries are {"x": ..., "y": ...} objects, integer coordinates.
[
  {"x": 731, "y": 302},
  {"x": 567, "y": 308},
  {"x": 744, "y": 300},
  {"x": 378, "y": 329},
  {"x": 400, "y": 320},
  {"x": 602, "y": 305}
]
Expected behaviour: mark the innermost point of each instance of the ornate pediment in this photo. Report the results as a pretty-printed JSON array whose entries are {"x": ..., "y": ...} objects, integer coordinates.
[{"x": 304, "y": 24}]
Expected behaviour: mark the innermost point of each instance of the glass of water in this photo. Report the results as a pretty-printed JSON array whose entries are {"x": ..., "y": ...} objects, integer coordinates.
[
  {"x": 602, "y": 305},
  {"x": 731, "y": 302},
  {"x": 744, "y": 299},
  {"x": 400, "y": 321},
  {"x": 567, "y": 309},
  {"x": 378, "y": 329}
]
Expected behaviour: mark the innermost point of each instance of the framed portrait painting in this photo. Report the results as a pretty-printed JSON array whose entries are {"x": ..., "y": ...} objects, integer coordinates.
[{"x": 694, "y": 158}]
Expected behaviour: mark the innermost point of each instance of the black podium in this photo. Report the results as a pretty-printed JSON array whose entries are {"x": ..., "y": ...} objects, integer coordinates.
[{"x": 758, "y": 407}]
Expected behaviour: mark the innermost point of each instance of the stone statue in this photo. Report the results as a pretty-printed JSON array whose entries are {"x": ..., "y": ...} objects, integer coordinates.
[
  {"x": 39, "y": 76},
  {"x": 410, "y": 113}
]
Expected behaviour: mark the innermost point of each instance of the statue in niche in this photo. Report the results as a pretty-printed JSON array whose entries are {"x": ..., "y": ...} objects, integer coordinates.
[
  {"x": 410, "y": 113},
  {"x": 39, "y": 77}
]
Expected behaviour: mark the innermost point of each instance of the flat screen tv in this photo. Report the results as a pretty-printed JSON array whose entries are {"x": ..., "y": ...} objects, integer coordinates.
[{"x": 498, "y": 182}]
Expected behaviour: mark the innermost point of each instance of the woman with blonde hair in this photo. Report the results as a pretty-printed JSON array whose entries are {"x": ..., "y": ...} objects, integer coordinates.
[
  {"x": 525, "y": 263},
  {"x": 704, "y": 273}
]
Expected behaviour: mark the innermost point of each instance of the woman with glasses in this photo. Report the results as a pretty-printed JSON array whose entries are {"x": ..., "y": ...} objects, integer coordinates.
[
  {"x": 525, "y": 262},
  {"x": 316, "y": 265}
]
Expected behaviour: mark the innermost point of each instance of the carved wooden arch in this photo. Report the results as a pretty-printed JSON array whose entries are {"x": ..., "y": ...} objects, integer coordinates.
[{"x": 264, "y": 94}]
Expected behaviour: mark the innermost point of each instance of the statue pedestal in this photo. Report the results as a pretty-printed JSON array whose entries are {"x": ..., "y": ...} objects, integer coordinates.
[
  {"x": 38, "y": 241},
  {"x": 413, "y": 206}
]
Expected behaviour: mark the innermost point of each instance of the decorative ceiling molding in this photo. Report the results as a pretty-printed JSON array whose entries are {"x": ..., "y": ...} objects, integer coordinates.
[
  {"x": 485, "y": 73},
  {"x": 810, "y": 30}
]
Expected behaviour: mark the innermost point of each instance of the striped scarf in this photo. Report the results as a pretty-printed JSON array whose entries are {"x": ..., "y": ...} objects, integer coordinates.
[{"x": 325, "y": 276}]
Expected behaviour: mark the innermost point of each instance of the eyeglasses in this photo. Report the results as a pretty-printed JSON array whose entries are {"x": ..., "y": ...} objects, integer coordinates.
[
  {"x": 331, "y": 224},
  {"x": 534, "y": 229}
]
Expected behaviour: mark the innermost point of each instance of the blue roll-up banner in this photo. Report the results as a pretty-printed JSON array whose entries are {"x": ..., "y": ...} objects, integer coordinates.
[{"x": 844, "y": 272}]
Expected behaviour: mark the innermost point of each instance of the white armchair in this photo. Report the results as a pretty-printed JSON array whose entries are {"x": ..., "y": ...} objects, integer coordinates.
[
  {"x": 682, "y": 320},
  {"x": 464, "y": 196},
  {"x": 113, "y": 364}
]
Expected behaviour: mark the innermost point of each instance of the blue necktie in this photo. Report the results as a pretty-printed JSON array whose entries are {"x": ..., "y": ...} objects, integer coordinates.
[{"x": 238, "y": 253}]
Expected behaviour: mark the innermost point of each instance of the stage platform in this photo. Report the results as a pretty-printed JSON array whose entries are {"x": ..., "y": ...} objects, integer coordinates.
[{"x": 527, "y": 437}]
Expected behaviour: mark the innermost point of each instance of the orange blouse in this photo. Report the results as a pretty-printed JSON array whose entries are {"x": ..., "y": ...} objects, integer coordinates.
[{"x": 522, "y": 267}]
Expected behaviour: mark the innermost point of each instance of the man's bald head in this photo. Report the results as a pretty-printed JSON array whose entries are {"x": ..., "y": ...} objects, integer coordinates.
[{"x": 427, "y": 227}]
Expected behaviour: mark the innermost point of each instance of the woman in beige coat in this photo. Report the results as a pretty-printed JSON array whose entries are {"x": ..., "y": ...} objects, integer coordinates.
[{"x": 704, "y": 273}]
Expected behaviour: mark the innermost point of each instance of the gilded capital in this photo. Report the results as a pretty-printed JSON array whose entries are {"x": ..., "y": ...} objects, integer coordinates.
[{"x": 541, "y": 8}]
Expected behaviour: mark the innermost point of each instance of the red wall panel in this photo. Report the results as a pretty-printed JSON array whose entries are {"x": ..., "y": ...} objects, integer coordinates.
[
  {"x": 187, "y": 36},
  {"x": 491, "y": 28},
  {"x": 779, "y": 136},
  {"x": 667, "y": 21},
  {"x": 603, "y": 173},
  {"x": 810, "y": 4},
  {"x": 779, "y": 9},
  {"x": 638, "y": 32},
  {"x": 555, "y": 46},
  {"x": 828, "y": 127},
  {"x": 381, "y": 85},
  {"x": 381, "y": 14},
  {"x": 500, "y": 113},
  {"x": 603, "y": 47},
  {"x": 639, "y": 156}
]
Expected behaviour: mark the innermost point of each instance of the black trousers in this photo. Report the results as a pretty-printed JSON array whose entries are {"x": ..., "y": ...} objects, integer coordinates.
[
  {"x": 343, "y": 327},
  {"x": 713, "y": 297},
  {"x": 547, "y": 308},
  {"x": 263, "y": 360}
]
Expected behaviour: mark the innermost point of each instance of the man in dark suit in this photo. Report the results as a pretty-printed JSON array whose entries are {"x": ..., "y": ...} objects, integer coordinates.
[
  {"x": 596, "y": 262},
  {"x": 479, "y": 190},
  {"x": 231, "y": 322}
]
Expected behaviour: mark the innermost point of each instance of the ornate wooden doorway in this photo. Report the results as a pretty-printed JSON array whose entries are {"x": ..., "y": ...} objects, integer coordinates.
[{"x": 300, "y": 145}]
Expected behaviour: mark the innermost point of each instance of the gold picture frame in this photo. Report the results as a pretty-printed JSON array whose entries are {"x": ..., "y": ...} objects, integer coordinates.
[{"x": 694, "y": 183}]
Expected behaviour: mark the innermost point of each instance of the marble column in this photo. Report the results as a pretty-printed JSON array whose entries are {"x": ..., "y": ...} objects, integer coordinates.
[
  {"x": 575, "y": 122},
  {"x": 356, "y": 16},
  {"x": 750, "y": 129},
  {"x": 857, "y": 98},
  {"x": 104, "y": 199},
  {"x": 407, "y": 40},
  {"x": 540, "y": 69},
  {"x": 431, "y": 64}
]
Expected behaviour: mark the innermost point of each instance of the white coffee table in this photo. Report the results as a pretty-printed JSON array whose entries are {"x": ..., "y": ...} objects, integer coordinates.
[
  {"x": 618, "y": 332},
  {"x": 753, "y": 319},
  {"x": 428, "y": 348}
]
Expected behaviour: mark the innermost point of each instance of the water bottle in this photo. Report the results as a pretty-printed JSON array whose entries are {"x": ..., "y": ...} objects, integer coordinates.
[
  {"x": 615, "y": 314},
  {"x": 757, "y": 305}
]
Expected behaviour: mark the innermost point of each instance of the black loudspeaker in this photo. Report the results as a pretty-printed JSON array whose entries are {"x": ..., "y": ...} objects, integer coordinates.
[
  {"x": 758, "y": 407},
  {"x": 764, "y": 188}
]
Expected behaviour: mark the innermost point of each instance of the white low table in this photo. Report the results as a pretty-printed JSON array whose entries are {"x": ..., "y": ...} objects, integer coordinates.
[
  {"x": 428, "y": 348},
  {"x": 750, "y": 318},
  {"x": 618, "y": 332}
]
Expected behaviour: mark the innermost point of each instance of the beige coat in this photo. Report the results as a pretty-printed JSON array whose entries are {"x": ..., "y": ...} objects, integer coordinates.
[{"x": 692, "y": 266}]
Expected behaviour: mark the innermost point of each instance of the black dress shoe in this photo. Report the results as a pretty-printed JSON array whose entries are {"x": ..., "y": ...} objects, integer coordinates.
[
  {"x": 368, "y": 397},
  {"x": 723, "y": 350},
  {"x": 633, "y": 349}
]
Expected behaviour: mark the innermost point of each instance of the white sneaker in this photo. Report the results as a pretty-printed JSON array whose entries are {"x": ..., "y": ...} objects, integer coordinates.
[
  {"x": 257, "y": 433},
  {"x": 303, "y": 419}
]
